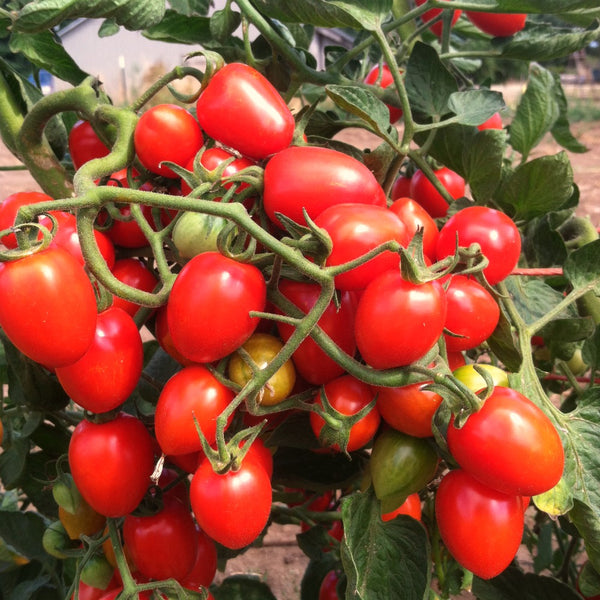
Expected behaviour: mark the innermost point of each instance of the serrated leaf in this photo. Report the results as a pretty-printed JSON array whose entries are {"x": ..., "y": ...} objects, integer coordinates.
[
  {"x": 311, "y": 12},
  {"x": 108, "y": 28},
  {"x": 369, "y": 14},
  {"x": 581, "y": 267},
  {"x": 12, "y": 463},
  {"x": 182, "y": 29},
  {"x": 543, "y": 245},
  {"x": 22, "y": 532},
  {"x": 190, "y": 7},
  {"x": 561, "y": 131},
  {"x": 568, "y": 330},
  {"x": 473, "y": 107},
  {"x": 223, "y": 23},
  {"x": 482, "y": 160},
  {"x": 503, "y": 344}
]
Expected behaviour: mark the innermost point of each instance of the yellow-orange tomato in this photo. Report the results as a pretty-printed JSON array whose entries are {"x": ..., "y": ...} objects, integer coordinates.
[{"x": 85, "y": 520}]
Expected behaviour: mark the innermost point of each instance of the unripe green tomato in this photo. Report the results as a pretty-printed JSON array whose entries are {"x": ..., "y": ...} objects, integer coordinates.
[
  {"x": 97, "y": 572},
  {"x": 576, "y": 363},
  {"x": 56, "y": 540},
  {"x": 475, "y": 382},
  {"x": 400, "y": 465},
  {"x": 195, "y": 233}
]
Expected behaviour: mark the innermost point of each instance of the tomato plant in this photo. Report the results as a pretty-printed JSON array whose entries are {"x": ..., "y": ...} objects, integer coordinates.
[
  {"x": 497, "y": 25},
  {"x": 9, "y": 207},
  {"x": 423, "y": 191}
]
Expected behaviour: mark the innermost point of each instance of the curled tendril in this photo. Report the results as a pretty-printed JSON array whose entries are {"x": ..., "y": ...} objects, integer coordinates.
[{"x": 27, "y": 247}]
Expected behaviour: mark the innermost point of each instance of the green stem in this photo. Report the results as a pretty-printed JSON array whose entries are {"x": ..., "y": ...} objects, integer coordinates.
[{"x": 11, "y": 117}]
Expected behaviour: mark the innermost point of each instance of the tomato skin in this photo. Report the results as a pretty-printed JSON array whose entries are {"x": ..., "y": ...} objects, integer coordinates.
[
  {"x": 9, "y": 208},
  {"x": 314, "y": 178},
  {"x": 328, "y": 588},
  {"x": 427, "y": 16},
  {"x": 413, "y": 215},
  {"x": 411, "y": 507},
  {"x": 35, "y": 311},
  {"x": 506, "y": 433},
  {"x": 84, "y": 521},
  {"x": 111, "y": 463},
  {"x": 132, "y": 272},
  {"x": 84, "y": 144},
  {"x": 481, "y": 527},
  {"x": 166, "y": 132},
  {"x": 385, "y": 79},
  {"x": 472, "y": 313},
  {"x": 242, "y": 109},
  {"x": 106, "y": 375},
  {"x": 356, "y": 229},
  {"x": 209, "y": 305},
  {"x": 474, "y": 381},
  {"x": 191, "y": 392},
  {"x": 424, "y": 192},
  {"x": 401, "y": 187},
  {"x": 498, "y": 25},
  {"x": 163, "y": 336},
  {"x": 398, "y": 322},
  {"x": 338, "y": 323},
  {"x": 494, "y": 231},
  {"x": 232, "y": 508},
  {"x": 348, "y": 395},
  {"x": 204, "y": 569},
  {"x": 494, "y": 122}
]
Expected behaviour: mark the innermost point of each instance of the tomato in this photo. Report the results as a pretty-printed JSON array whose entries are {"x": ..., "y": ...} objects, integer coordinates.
[
  {"x": 494, "y": 231},
  {"x": 348, "y": 396},
  {"x": 455, "y": 360},
  {"x": 263, "y": 348},
  {"x": 88, "y": 592},
  {"x": 424, "y": 192},
  {"x": 408, "y": 408},
  {"x": 355, "y": 229},
  {"x": 192, "y": 394},
  {"x": 134, "y": 273},
  {"x": 384, "y": 80},
  {"x": 473, "y": 314},
  {"x": 232, "y": 508},
  {"x": 208, "y": 311},
  {"x": 163, "y": 336},
  {"x": 164, "y": 544},
  {"x": 401, "y": 187},
  {"x": 494, "y": 122},
  {"x": 509, "y": 444},
  {"x": 474, "y": 381},
  {"x": 195, "y": 233},
  {"x": 328, "y": 588},
  {"x": 261, "y": 454},
  {"x": 114, "y": 593},
  {"x": 411, "y": 507},
  {"x": 400, "y": 465},
  {"x": 84, "y": 521},
  {"x": 111, "y": 463},
  {"x": 204, "y": 569},
  {"x": 434, "y": 12},
  {"x": 166, "y": 132},
  {"x": 497, "y": 24},
  {"x": 44, "y": 321},
  {"x": 84, "y": 144},
  {"x": 9, "y": 208},
  {"x": 398, "y": 322},
  {"x": 241, "y": 109},
  {"x": 414, "y": 216},
  {"x": 337, "y": 322},
  {"x": 313, "y": 178},
  {"x": 481, "y": 527}
]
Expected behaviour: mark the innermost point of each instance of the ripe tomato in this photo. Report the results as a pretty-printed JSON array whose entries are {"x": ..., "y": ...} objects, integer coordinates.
[
  {"x": 84, "y": 144},
  {"x": 434, "y": 12},
  {"x": 9, "y": 208},
  {"x": 497, "y": 24},
  {"x": 494, "y": 122},
  {"x": 208, "y": 311},
  {"x": 408, "y": 408},
  {"x": 414, "y": 216},
  {"x": 111, "y": 463},
  {"x": 398, "y": 322},
  {"x": 337, "y": 322},
  {"x": 163, "y": 336},
  {"x": 355, "y": 229},
  {"x": 473, "y": 313},
  {"x": 494, "y": 231},
  {"x": 411, "y": 507},
  {"x": 506, "y": 433},
  {"x": 232, "y": 508},
  {"x": 166, "y": 132},
  {"x": 88, "y": 592},
  {"x": 134, "y": 273},
  {"x": 204, "y": 569},
  {"x": 240, "y": 108},
  {"x": 328, "y": 588},
  {"x": 401, "y": 187},
  {"x": 45, "y": 297},
  {"x": 162, "y": 545},
  {"x": 348, "y": 396},
  {"x": 384, "y": 80},
  {"x": 423, "y": 191},
  {"x": 261, "y": 454},
  {"x": 106, "y": 375},
  {"x": 191, "y": 395},
  {"x": 313, "y": 178},
  {"x": 481, "y": 527}
]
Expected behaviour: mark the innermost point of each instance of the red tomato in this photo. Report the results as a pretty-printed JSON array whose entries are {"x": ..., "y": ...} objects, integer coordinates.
[
  {"x": 414, "y": 216},
  {"x": 88, "y": 592},
  {"x": 495, "y": 232},
  {"x": 401, "y": 187},
  {"x": 481, "y": 527},
  {"x": 192, "y": 394},
  {"x": 384, "y": 80},
  {"x": 163, "y": 336},
  {"x": 313, "y": 178},
  {"x": 408, "y": 408},
  {"x": 473, "y": 313},
  {"x": 355, "y": 229},
  {"x": 204, "y": 569},
  {"x": 166, "y": 132},
  {"x": 208, "y": 311},
  {"x": 84, "y": 144},
  {"x": 411, "y": 507},
  {"x": 337, "y": 322},
  {"x": 9, "y": 208},
  {"x": 497, "y": 24},
  {"x": 134, "y": 273},
  {"x": 106, "y": 375},
  {"x": 111, "y": 463},
  {"x": 434, "y": 12},
  {"x": 48, "y": 307},
  {"x": 510, "y": 445},
  {"x": 455, "y": 360},
  {"x": 348, "y": 396},
  {"x": 423, "y": 191},
  {"x": 232, "y": 508},
  {"x": 162, "y": 545},
  {"x": 259, "y": 453},
  {"x": 328, "y": 589},
  {"x": 398, "y": 322},
  {"x": 494, "y": 122},
  {"x": 240, "y": 108}
]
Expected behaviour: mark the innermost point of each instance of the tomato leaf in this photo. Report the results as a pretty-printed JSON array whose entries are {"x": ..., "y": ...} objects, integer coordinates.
[
  {"x": 22, "y": 532},
  {"x": 543, "y": 246},
  {"x": 179, "y": 28},
  {"x": 482, "y": 160},
  {"x": 311, "y": 12},
  {"x": 368, "y": 570},
  {"x": 503, "y": 344},
  {"x": 473, "y": 107},
  {"x": 243, "y": 587},
  {"x": 581, "y": 267},
  {"x": 223, "y": 23},
  {"x": 370, "y": 15}
]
